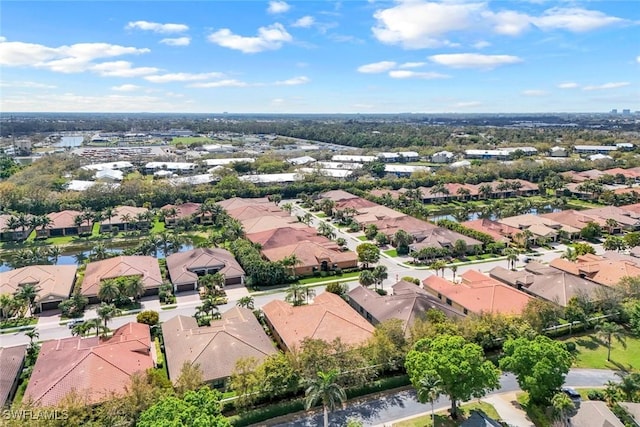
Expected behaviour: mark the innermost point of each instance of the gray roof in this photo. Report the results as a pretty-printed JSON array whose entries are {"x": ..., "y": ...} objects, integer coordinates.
[
  {"x": 215, "y": 348},
  {"x": 632, "y": 409},
  {"x": 11, "y": 359},
  {"x": 548, "y": 283},
  {"x": 181, "y": 264},
  {"x": 407, "y": 303},
  {"x": 593, "y": 413}
]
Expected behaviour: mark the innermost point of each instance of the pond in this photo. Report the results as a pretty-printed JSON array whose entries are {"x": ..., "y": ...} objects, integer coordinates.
[{"x": 69, "y": 142}]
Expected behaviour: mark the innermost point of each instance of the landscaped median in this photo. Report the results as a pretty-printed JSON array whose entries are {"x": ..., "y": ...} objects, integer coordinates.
[
  {"x": 444, "y": 420},
  {"x": 18, "y": 325}
]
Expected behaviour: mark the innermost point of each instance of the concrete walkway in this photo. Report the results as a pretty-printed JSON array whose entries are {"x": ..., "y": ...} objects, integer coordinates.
[{"x": 509, "y": 409}]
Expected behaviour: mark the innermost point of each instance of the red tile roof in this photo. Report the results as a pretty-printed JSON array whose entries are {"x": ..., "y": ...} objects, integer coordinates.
[
  {"x": 121, "y": 266},
  {"x": 285, "y": 236},
  {"x": 92, "y": 367},
  {"x": 63, "y": 219},
  {"x": 328, "y": 318}
]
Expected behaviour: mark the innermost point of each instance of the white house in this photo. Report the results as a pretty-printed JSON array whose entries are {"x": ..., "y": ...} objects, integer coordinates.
[
  {"x": 558, "y": 152},
  {"x": 443, "y": 157},
  {"x": 355, "y": 159}
]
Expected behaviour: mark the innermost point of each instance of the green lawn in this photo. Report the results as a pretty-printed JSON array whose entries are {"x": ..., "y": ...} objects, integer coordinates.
[
  {"x": 190, "y": 140},
  {"x": 391, "y": 253},
  {"x": 311, "y": 280},
  {"x": 321, "y": 215},
  {"x": 591, "y": 353},
  {"x": 363, "y": 238},
  {"x": 158, "y": 226},
  {"x": 443, "y": 419}
]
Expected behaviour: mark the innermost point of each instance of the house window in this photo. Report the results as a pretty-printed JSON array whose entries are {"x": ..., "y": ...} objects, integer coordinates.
[
  {"x": 465, "y": 311},
  {"x": 439, "y": 295},
  {"x": 448, "y": 301}
]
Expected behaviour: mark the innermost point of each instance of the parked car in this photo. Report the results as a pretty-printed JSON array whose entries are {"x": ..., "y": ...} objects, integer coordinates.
[
  {"x": 74, "y": 322},
  {"x": 573, "y": 394}
]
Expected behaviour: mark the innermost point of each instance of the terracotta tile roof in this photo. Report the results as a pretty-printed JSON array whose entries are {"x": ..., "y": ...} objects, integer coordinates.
[
  {"x": 337, "y": 195},
  {"x": 575, "y": 219},
  {"x": 182, "y": 264},
  {"x": 256, "y": 211},
  {"x": 94, "y": 368},
  {"x": 55, "y": 281},
  {"x": 216, "y": 348},
  {"x": 407, "y": 303},
  {"x": 368, "y": 215},
  {"x": 416, "y": 227},
  {"x": 184, "y": 210},
  {"x": 556, "y": 286},
  {"x": 635, "y": 208},
  {"x": 603, "y": 271},
  {"x": 63, "y": 219},
  {"x": 542, "y": 224},
  {"x": 627, "y": 173},
  {"x": 121, "y": 266},
  {"x": 357, "y": 203},
  {"x": 311, "y": 254},
  {"x": 622, "y": 216},
  {"x": 328, "y": 318},
  {"x": 285, "y": 236},
  {"x": 4, "y": 219},
  {"x": 121, "y": 211},
  {"x": 500, "y": 232},
  {"x": 11, "y": 360},
  {"x": 479, "y": 293},
  {"x": 395, "y": 194},
  {"x": 238, "y": 202},
  {"x": 270, "y": 222}
]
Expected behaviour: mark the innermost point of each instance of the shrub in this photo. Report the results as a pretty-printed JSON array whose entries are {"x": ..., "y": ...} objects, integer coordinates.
[
  {"x": 570, "y": 346},
  {"x": 148, "y": 317},
  {"x": 337, "y": 288},
  {"x": 596, "y": 395}
]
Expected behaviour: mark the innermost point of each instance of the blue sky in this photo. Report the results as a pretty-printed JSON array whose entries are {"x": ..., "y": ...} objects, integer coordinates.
[{"x": 320, "y": 56}]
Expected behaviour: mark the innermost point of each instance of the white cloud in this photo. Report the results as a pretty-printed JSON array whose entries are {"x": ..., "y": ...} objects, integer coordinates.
[
  {"x": 481, "y": 44},
  {"x": 156, "y": 27},
  {"x": 638, "y": 59},
  {"x": 221, "y": 83},
  {"x": 417, "y": 24},
  {"x": 508, "y": 22},
  {"x": 294, "y": 81},
  {"x": 568, "y": 85},
  {"x": 377, "y": 67},
  {"x": 534, "y": 92},
  {"x": 467, "y": 104},
  {"x": 27, "y": 84},
  {"x": 179, "y": 41},
  {"x": 269, "y": 38},
  {"x": 125, "y": 88},
  {"x": 611, "y": 85},
  {"x": 63, "y": 59},
  {"x": 411, "y": 65},
  {"x": 407, "y": 74},
  {"x": 574, "y": 19},
  {"x": 276, "y": 6},
  {"x": 474, "y": 60},
  {"x": 121, "y": 69},
  {"x": 304, "y": 22},
  {"x": 276, "y": 102},
  {"x": 183, "y": 77}
]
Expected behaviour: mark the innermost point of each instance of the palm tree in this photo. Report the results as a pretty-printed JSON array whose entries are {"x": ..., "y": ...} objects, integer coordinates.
[
  {"x": 326, "y": 230},
  {"x": 429, "y": 390},
  {"x": 295, "y": 294},
  {"x": 291, "y": 261},
  {"x": 438, "y": 265},
  {"x": 99, "y": 251},
  {"x": 454, "y": 270},
  {"x": 54, "y": 252},
  {"x": 107, "y": 312},
  {"x": 570, "y": 254},
  {"x": 512, "y": 257},
  {"x": 32, "y": 334},
  {"x": 247, "y": 302},
  {"x": 609, "y": 331},
  {"x": 108, "y": 213},
  {"x": 380, "y": 274},
  {"x": 629, "y": 384},
  {"x": 366, "y": 278},
  {"x": 93, "y": 323},
  {"x": 562, "y": 405},
  {"x": 134, "y": 287},
  {"x": 109, "y": 290},
  {"x": 325, "y": 389},
  {"x": 28, "y": 293}
]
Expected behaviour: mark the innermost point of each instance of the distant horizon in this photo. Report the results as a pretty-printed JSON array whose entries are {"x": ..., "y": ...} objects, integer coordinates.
[{"x": 320, "y": 57}]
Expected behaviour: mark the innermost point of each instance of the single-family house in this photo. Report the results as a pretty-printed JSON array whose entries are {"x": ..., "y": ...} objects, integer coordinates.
[
  {"x": 215, "y": 348},
  {"x": 477, "y": 293},
  {"x": 96, "y": 369},
  {"x": 11, "y": 231},
  {"x": 54, "y": 283},
  {"x": 284, "y": 236},
  {"x": 64, "y": 223},
  {"x": 405, "y": 170},
  {"x": 337, "y": 195},
  {"x": 594, "y": 413},
  {"x": 443, "y": 157},
  {"x": 624, "y": 218},
  {"x": 185, "y": 267},
  {"x": 548, "y": 283},
  {"x": 270, "y": 222},
  {"x": 313, "y": 256},
  {"x": 329, "y": 317},
  {"x": 11, "y": 364},
  {"x": 558, "y": 152},
  {"x": 498, "y": 231},
  {"x": 126, "y": 218},
  {"x": 604, "y": 271},
  {"x": 189, "y": 210},
  {"x": 239, "y": 202},
  {"x": 145, "y": 267},
  {"x": 256, "y": 211},
  {"x": 389, "y": 157},
  {"x": 407, "y": 303}
]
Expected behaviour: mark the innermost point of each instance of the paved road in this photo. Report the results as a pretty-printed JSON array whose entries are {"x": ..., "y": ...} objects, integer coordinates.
[{"x": 387, "y": 409}]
